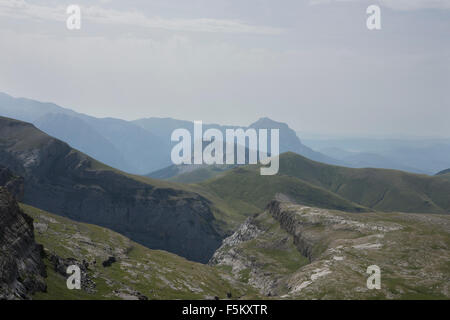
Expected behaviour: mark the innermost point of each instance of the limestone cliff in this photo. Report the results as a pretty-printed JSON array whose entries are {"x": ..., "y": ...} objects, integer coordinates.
[
  {"x": 22, "y": 271},
  {"x": 298, "y": 252}
]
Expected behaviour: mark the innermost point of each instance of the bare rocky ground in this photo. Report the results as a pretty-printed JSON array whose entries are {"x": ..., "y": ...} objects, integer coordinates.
[{"x": 297, "y": 252}]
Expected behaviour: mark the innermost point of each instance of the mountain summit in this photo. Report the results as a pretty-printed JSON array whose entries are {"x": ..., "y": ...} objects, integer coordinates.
[{"x": 289, "y": 141}]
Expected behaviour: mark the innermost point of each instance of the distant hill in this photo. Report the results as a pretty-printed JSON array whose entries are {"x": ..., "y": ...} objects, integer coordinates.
[
  {"x": 190, "y": 173},
  {"x": 447, "y": 171},
  {"x": 163, "y": 127},
  {"x": 27, "y": 109},
  {"x": 82, "y": 136},
  {"x": 329, "y": 186},
  {"x": 195, "y": 173},
  {"x": 368, "y": 160},
  {"x": 65, "y": 181},
  {"x": 249, "y": 192},
  {"x": 380, "y": 189},
  {"x": 289, "y": 141},
  {"x": 417, "y": 155}
]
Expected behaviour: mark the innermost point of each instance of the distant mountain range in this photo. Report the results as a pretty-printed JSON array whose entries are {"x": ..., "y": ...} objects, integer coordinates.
[
  {"x": 215, "y": 220},
  {"x": 420, "y": 155},
  {"x": 141, "y": 146},
  {"x": 116, "y": 142},
  {"x": 289, "y": 142}
]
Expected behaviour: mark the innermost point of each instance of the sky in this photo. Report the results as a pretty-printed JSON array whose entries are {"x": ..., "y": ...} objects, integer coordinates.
[{"x": 310, "y": 63}]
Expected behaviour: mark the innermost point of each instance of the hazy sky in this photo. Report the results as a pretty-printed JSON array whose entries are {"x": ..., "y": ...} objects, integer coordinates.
[{"x": 310, "y": 63}]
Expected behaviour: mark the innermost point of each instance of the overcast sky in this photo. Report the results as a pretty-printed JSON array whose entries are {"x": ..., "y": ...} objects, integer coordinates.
[{"x": 310, "y": 63}]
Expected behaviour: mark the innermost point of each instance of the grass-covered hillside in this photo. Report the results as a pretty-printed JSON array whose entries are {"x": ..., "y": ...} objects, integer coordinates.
[
  {"x": 326, "y": 186},
  {"x": 380, "y": 189},
  {"x": 285, "y": 252},
  {"x": 248, "y": 192},
  {"x": 136, "y": 273}
]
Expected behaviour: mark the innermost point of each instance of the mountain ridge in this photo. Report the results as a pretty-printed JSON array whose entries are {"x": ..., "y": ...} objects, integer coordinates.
[
  {"x": 373, "y": 189},
  {"x": 62, "y": 180}
]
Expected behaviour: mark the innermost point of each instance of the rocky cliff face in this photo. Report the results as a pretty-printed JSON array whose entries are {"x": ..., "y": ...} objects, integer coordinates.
[
  {"x": 411, "y": 250},
  {"x": 260, "y": 253},
  {"x": 22, "y": 271},
  {"x": 62, "y": 180},
  {"x": 12, "y": 183}
]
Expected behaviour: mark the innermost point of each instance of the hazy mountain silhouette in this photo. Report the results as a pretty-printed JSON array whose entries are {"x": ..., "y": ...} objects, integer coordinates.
[
  {"x": 288, "y": 142},
  {"x": 419, "y": 155},
  {"x": 137, "y": 150}
]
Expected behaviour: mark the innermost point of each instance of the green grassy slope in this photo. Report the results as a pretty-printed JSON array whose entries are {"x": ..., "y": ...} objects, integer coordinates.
[
  {"x": 200, "y": 174},
  {"x": 247, "y": 192},
  {"x": 445, "y": 176},
  {"x": 190, "y": 173},
  {"x": 380, "y": 189},
  {"x": 317, "y": 184},
  {"x": 152, "y": 273}
]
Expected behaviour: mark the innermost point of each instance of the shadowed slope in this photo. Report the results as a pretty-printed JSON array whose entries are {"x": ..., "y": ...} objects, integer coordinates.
[{"x": 65, "y": 181}]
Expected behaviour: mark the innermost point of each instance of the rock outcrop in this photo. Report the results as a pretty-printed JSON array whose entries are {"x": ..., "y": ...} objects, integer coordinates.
[
  {"x": 22, "y": 270},
  {"x": 12, "y": 183},
  {"x": 411, "y": 250},
  {"x": 60, "y": 266},
  {"x": 252, "y": 253}
]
